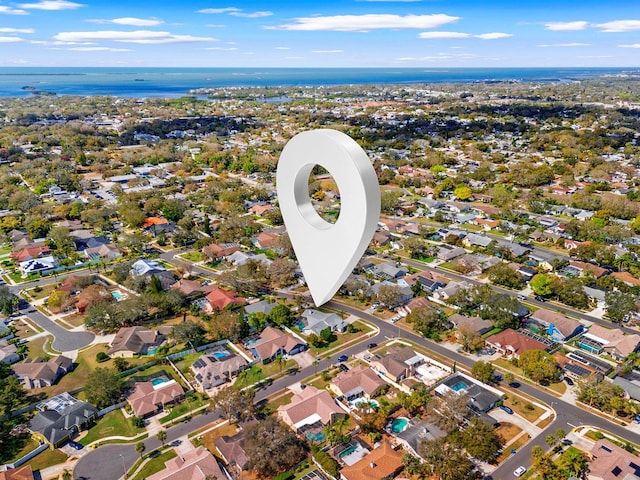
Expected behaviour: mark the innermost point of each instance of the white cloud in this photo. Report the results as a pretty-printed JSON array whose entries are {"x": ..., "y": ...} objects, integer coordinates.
[
  {"x": 137, "y": 36},
  {"x": 493, "y": 35},
  {"x": 136, "y": 22},
  {"x": 52, "y": 5},
  {"x": 219, "y": 10},
  {"x": 483, "y": 36},
  {"x": 11, "y": 39},
  {"x": 98, "y": 49},
  {"x": 619, "y": 26},
  {"x": 327, "y": 51},
  {"x": 566, "y": 26},
  {"x": 443, "y": 35},
  {"x": 16, "y": 30},
  {"x": 252, "y": 15},
  {"x": 574, "y": 44},
  {"x": 366, "y": 22},
  {"x": 283, "y": 48},
  {"x": 12, "y": 11},
  {"x": 222, "y": 49},
  {"x": 630, "y": 45}
]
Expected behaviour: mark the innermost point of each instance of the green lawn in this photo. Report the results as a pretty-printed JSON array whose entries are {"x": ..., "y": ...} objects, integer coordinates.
[
  {"x": 342, "y": 338},
  {"x": 113, "y": 423},
  {"x": 192, "y": 402},
  {"x": 260, "y": 371},
  {"x": 48, "y": 458},
  {"x": 192, "y": 256},
  {"x": 155, "y": 464},
  {"x": 41, "y": 292},
  {"x": 28, "y": 444}
]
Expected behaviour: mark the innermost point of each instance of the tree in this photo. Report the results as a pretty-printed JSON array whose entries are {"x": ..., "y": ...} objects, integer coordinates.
[
  {"x": 502, "y": 274},
  {"x": 462, "y": 193},
  {"x": 389, "y": 201},
  {"x": 236, "y": 404},
  {"x": 57, "y": 300},
  {"x": 282, "y": 272},
  {"x": 509, "y": 378},
  {"x": 162, "y": 436},
  {"x": 280, "y": 315},
  {"x": 173, "y": 210},
  {"x": 417, "y": 400},
  {"x": 8, "y": 301},
  {"x": 428, "y": 321},
  {"x": 61, "y": 238},
  {"x": 189, "y": 332},
  {"x": 544, "y": 464},
  {"x": 483, "y": 371},
  {"x": 539, "y": 366},
  {"x": 389, "y": 295},
  {"x": 541, "y": 284},
  {"x": 272, "y": 447},
  {"x": 445, "y": 460},
  {"x": 480, "y": 440},
  {"x": 103, "y": 387},
  {"x": 575, "y": 463},
  {"x": 449, "y": 411},
  {"x": 140, "y": 448},
  {"x": 619, "y": 305},
  {"x": 570, "y": 292}
]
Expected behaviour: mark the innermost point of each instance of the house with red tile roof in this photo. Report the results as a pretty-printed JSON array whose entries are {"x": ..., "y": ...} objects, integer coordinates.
[
  {"x": 147, "y": 398},
  {"x": 380, "y": 464},
  {"x": 20, "y": 473},
  {"x": 265, "y": 240},
  {"x": 310, "y": 408},
  {"x": 260, "y": 209},
  {"x": 486, "y": 223},
  {"x": 197, "y": 464},
  {"x": 627, "y": 278},
  {"x": 30, "y": 253},
  {"x": 152, "y": 221},
  {"x": 215, "y": 252},
  {"x": 511, "y": 343},
  {"x": 611, "y": 462},
  {"x": 358, "y": 382},
  {"x": 219, "y": 299},
  {"x": 588, "y": 268}
]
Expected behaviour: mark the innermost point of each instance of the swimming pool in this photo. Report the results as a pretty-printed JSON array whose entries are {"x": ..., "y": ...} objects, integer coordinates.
[
  {"x": 116, "y": 295},
  {"x": 220, "y": 355},
  {"x": 456, "y": 387},
  {"x": 158, "y": 381},
  {"x": 348, "y": 451},
  {"x": 399, "y": 424},
  {"x": 316, "y": 436}
]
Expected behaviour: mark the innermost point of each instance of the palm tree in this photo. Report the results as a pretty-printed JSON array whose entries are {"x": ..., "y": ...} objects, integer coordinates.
[
  {"x": 140, "y": 448},
  {"x": 162, "y": 436},
  {"x": 575, "y": 463},
  {"x": 279, "y": 360}
]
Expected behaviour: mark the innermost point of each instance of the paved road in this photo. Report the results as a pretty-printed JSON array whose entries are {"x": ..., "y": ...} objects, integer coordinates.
[{"x": 63, "y": 339}]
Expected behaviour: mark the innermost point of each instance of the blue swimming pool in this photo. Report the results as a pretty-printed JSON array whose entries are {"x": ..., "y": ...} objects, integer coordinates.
[
  {"x": 159, "y": 380},
  {"x": 456, "y": 387},
  {"x": 316, "y": 436},
  {"x": 399, "y": 424},
  {"x": 116, "y": 295},
  {"x": 220, "y": 355},
  {"x": 348, "y": 451}
]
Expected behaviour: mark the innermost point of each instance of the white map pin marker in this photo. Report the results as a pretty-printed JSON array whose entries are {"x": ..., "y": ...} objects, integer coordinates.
[{"x": 327, "y": 253}]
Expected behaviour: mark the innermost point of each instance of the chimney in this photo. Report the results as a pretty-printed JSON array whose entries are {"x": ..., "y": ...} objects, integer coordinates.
[{"x": 373, "y": 465}]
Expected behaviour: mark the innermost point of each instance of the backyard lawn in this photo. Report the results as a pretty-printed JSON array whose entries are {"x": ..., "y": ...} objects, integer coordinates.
[
  {"x": 155, "y": 465},
  {"x": 112, "y": 424},
  {"x": 47, "y": 458},
  {"x": 257, "y": 372}
]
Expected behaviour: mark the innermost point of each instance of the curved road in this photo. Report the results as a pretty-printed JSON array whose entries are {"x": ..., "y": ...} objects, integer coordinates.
[{"x": 102, "y": 464}]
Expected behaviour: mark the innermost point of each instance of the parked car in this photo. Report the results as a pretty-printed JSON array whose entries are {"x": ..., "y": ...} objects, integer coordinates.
[
  {"x": 518, "y": 472},
  {"x": 566, "y": 441},
  {"x": 76, "y": 445},
  {"x": 372, "y": 345},
  {"x": 342, "y": 358},
  {"x": 569, "y": 381},
  {"x": 506, "y": 409},
  {"x": 344, "y": 368},
  {"x": 521, "y": 297}
]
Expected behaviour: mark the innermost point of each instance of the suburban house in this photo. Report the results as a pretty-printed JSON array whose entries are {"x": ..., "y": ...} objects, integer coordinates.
[
  {"x": 132, "y": 341},
  {"x": 398, "y": 364},
  {"x": 475, "y": 240},
  {"x": 627, "y": 278},
  {"x": 389, "y": 270},
  {"x": 220, "y": 298},
  {"x": 470, "y": 324},
  {"x": 310, "y": 408},
  {"x": 580, "y": 269},
  {"x": 482, "y": 398},
  {"x": 148, "y": 398},
  {"x": 265, "y": 240},
  {"x": 357, "y": 383},
  {"x": 19, "y": 473},
  {"x": 429, "y": 282},
  {"x": 37, "y": 265},
  {"x": 611, "y": 462},
  {"x": 232, "y": 451},
  {"x": 213, "y": 369},
  {"x": 274, "y": 342},
  {"x": 559, "y": 327},
  {"x": 512, "y": 343},
  {"x": 215, "y": 252},
  {"x": 59, "y": 424},
  {"x": 405, "y": 293},
  {"x": 192, "y": 288},
  {"x": 91, "y": 295},
  {"x": 314, "y": 321},
  {"x": 106, "y": 251},
  {"x": 631, "y": 387},
  {"x": 451, "y": 289},
  {"x": 383, "y": 463},
  {"x": 29, "y": 253},
  {"x": 612, "y": 341},
  {"x": 8, "y": 352},
  {"x": 447, "y": 253},
  {"x": 38, "y": 374},
  {"x": 412, "y": 437},
  {"x": 197, "y": 464},
  {"x": 259, "y": 307}
]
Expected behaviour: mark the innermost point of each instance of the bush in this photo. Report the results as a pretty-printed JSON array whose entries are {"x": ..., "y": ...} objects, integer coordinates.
[
  {"x": 102, "y": 357},
  {"x": 598, "y": 435},
  {"x": 327, "y": 463},
  {"x": 284, "y": 476}
]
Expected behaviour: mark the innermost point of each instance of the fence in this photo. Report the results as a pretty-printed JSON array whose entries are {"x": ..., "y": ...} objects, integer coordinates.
[{"x": 41, "y": 448}]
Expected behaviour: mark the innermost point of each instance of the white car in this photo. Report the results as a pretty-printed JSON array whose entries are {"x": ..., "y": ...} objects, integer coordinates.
[{"x": 518, "y": 472}]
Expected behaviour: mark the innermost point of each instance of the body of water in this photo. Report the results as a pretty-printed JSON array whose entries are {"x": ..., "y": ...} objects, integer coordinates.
[{"x": 177, "y": 82}]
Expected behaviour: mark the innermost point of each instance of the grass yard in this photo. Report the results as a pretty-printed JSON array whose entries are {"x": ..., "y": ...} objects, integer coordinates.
[
  {"x": 559, "y": 387},
  {"x": 29, "y": 445},
  {"x": 258, "y": 372},
  {"x": 209, "y": 438},
  {"x": 154, "y": 465},
  {"x": 48, "y": 458},
  {"x": 38, "y": 293},
  {"x": 342, "y": 338},
  {"x": 272, "y": 405},
  {"x": 525, "y": 408},
  {"x": 506, "y": 453},
  {"x": 112, "y": 424},
  {"x": 190, "y": 403},
  {"x": 75, "y": 319},
  {"x": 39, "y": 347},
  {"x": 508, "y": 431},
  {"x": 25, "y": 328},
  {"x": 192, "y": 256}
]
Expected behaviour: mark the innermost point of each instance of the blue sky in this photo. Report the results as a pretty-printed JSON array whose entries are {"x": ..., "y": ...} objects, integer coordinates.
[{"x": 346, "y": 33}]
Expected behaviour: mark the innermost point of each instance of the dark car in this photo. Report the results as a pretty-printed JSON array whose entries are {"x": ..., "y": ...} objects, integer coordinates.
[
  {"x": 506, "y": 409},
  {"x": 343, "y": 358},
  {"x": 568, "y": 380},
  {"x": 539, "y": 298},
  {"x": 514, "y": 384},
  {"x": 372, "y": 345},
  {"x": 344, "y": 368},
  {"x": 76, "y": 445},
  {"x": 566, "y": 441}
]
